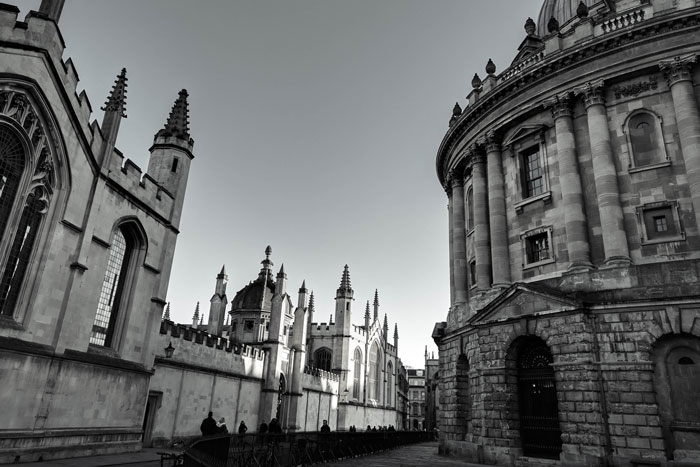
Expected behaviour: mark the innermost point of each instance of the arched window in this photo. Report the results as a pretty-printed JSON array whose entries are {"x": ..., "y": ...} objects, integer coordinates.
[
  {"x": 389, "y": 383},
  {"x": 374, "y": 384},
  {"x": 645, "y": 139},
  {"x": 322, "y": 359},
  {"x": 470, "y": 209},
  {"x": 115, "y": 285},
  {"x": 19, "y": 235},
  {"x": 357, "y": 374}
]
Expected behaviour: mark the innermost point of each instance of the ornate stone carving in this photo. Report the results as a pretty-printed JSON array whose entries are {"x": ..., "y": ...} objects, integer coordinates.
[
  {"x": 456, "y": 178},
  {"x": 593, "y": 93},
  {"x": 490, "y": 141},
  {"x": 475, "y": 157},
  {"x": 560, "y": 105},
  {"x": 632, "y": 90},
  {"x": 678, "y": 68}
]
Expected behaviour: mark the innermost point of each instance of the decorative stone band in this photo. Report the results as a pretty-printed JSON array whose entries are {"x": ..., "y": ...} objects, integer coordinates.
[
  {"x": 560, "y": 105},
  {"x": 593, "y": 93},
  {"x": 678, "y": 68}
]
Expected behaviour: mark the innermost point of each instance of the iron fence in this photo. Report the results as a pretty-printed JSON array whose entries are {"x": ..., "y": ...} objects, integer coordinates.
[{"x": 294, "y": 449}]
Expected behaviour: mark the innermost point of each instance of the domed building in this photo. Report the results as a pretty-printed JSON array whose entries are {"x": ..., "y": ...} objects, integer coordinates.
[{"x": 573, "y": 186}]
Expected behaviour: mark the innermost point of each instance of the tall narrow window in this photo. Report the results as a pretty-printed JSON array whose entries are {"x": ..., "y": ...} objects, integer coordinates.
[
  {"x": 173, "y": 168},
  {"x": 113, "y": 285},
  {"x": 373, "y": 382},
  {"x": 389, "y": 383},
  {"x": 643, "y": 139},
  {"x": 357, "y": 374},
  {"x": 533, "y": 183},
  {"x": 470, "y": 209}
]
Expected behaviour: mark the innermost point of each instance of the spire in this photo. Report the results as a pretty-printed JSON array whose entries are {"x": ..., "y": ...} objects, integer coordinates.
[
  {"x": 311, "y": 303},
  {"x": 345, "y": 290},
  {"x": 116, "y": 102},
  {"x": 201, "y": 319},
  {"x": 367, "y": 310},
  {"x": 195, "y": 317},
  {"x": 281, "y": 273},
  {"x": 266, "y": 270},
  {"x": 386, "y": 322},
  {"x": 396, "y": 331},
  {"x": 376, "y": 304},
  {"x": 177, "y": 124},
  {"x": 303, "y": 287},
  {"x": 166, "y": 315},
  {"x": 223, "y": 271}
]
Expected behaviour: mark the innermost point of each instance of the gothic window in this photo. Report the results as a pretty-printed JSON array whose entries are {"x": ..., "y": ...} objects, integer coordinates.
[
  {"x": 389, "y": 383},
  {"x": 660, "y": 222},
  {"x": 470, "y": 209},
  {"x": 645, "y": 141},
  {"x": 537, "y": 247},
  {"x": 322, "y": 359},
  {"x": 18, "y": 237},
  {"x": 115, "y": 285},
  {"x": 357, "y": 374},
  {"x": 374, "y": 383}
]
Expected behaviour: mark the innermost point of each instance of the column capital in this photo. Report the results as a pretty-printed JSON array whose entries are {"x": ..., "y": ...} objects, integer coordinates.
[
  {"x": 455, "y": 178},
  {"x": 559, "y": 104},
  {"x": 678, "y": 68},
  {"x": 592, "y": 93},
  {"x": 491, "y": 141},
  {"x": 475, "y": 157}
]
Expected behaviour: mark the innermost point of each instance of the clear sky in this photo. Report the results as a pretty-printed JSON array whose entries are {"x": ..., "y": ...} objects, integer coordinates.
[{"x": 316, "y": 126}]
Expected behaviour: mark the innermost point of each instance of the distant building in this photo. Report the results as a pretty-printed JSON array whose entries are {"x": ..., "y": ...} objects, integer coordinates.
[
  {"x": 432, "y": 391},
  {"x": 86, "y": 247},
  {"x": 573, "y": 185},
  {"x": 416, "y": 399}
]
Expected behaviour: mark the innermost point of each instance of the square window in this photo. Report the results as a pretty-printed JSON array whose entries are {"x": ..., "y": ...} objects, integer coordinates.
[
  {"x": 537, "y": 248},
  {"x": 660, "y": 222}
]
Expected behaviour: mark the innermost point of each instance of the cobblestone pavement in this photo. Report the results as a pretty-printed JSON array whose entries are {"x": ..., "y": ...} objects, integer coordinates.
[{"x": 422, "y": 454}]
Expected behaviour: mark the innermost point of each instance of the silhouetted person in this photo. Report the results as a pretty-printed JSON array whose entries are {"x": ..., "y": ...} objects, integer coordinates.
[
  {"x": 275, "y": 426},
  {"x": 325, "y": 428},
  {"x": 208, "y": 426},
  {"x": 222, "y": 428},
  {"x": 263, "y": 428},
  {"x": 369, "y": 428},
  {"x": 242, "y": 428}
]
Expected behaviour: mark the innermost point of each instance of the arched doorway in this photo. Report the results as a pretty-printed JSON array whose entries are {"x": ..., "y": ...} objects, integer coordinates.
[
  {"x": 540, "y": 433},
  {"x": 676, "y": 380}
]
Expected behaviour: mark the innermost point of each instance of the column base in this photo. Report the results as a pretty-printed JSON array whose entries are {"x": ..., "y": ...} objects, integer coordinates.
[
  {"x": 579, "y": 266},
  {"x": 616, "y": 262}
]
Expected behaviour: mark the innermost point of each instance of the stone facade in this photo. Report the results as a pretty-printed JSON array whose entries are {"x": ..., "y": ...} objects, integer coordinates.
[
  {"x": 572, "y": 180},
  {"x": 86, "y": 248}
]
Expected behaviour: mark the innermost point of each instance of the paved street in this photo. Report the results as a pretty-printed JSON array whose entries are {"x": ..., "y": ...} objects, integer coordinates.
[{"x": 406, "y": 456}]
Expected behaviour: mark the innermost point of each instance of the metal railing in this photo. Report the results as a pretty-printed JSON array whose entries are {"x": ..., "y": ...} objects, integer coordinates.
[{"x": 294, "y": 449}]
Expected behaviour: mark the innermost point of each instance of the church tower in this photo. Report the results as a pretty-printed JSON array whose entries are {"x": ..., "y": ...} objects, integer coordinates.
[
  {"x": 343, "y": 325},
  {"x": 218, "y": 302},
  {"x": 171, "y": 154}
]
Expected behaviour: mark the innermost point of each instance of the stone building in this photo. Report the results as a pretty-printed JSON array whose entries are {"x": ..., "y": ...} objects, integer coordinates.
[
  {"x": 573, "y": 187},
  {"x": 86, "y": 248},
  {"x": 274, "y": 359},
  {"x": 432, "y": 391},
  {"x": 416, "y": 398}
]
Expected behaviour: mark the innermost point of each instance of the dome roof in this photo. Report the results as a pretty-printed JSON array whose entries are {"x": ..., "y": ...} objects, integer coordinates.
[
  {"x": 251, "y": 297},
  {"x": 562, "y": 10}
]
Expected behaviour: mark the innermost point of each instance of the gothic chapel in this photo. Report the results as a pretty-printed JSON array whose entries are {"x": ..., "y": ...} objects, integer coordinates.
[{"x": 86, "y": 246}]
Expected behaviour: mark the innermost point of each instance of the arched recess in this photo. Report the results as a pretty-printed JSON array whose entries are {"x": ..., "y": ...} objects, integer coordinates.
[
  {"x": 389, "y": 384},
  {"x": 126, "y": 252},
  {"x": 464, "y": 402},
  {"x": 357, "y": 374},
  {"x": 535, "y": 407},
  {"x": 645, "y": 139},
  {"x": 676, "y": 360},
  {"x": 281, "y": 412},
  {"x": 374, "y": 383},
  {"x": 323, "y": 358},
  {"x": 34, "y": 180}
]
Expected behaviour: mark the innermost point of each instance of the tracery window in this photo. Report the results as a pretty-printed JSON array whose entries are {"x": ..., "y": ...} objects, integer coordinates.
[
  {"x": 357, "y": 374},
  {"x": 374, "y": 383},
  {"x": 26, "y": 206},
  {"x": 389, "y": 383},
  {"x": 322, "y": 359},
  {"x": 113, "y": 293}
]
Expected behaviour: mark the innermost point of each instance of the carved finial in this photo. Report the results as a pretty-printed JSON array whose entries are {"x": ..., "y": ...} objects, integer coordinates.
[
  {"x": 386, "y": 324},
  {"x": 166, "y": 315},
  {"x": 476, "y": 81},
  {"x": 367, "y": 310},
  {"x": 553, "y": 25},
  {"x": 396, "y": 330},
  {"x": 490, "y": 67},
  {"x": 345, "y": 290},
  {"x": 178, "y": 120},
  {"x": 195, "y": 317},
  {"x": 456, "y": 110},
  {"x": 530, "y": 27},
  {"x": 376, "y": 297},
  {"x": 582, "y": 10},
  {"x": 268, "y": 252},
  {"x": 267, "y": 264},
  {"x": 311, "y": 302},
  {"x": 116, "y": 102}
]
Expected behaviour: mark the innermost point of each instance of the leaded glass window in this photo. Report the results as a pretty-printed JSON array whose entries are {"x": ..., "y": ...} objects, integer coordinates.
[{"x": 357, "y": 374}]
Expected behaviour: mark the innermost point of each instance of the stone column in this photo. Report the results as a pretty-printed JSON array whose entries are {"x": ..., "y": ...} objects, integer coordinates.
[
  {"x": 459, "y": 238},
  {"x": 482, "y": 242},
  {"x": 500, "y": 258},
  {"x": 605, "y": 175},
  {"x": 678, "y": 72},
  {"x": 570, "y": 181},
  {"x": 448, "y": 190}
]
